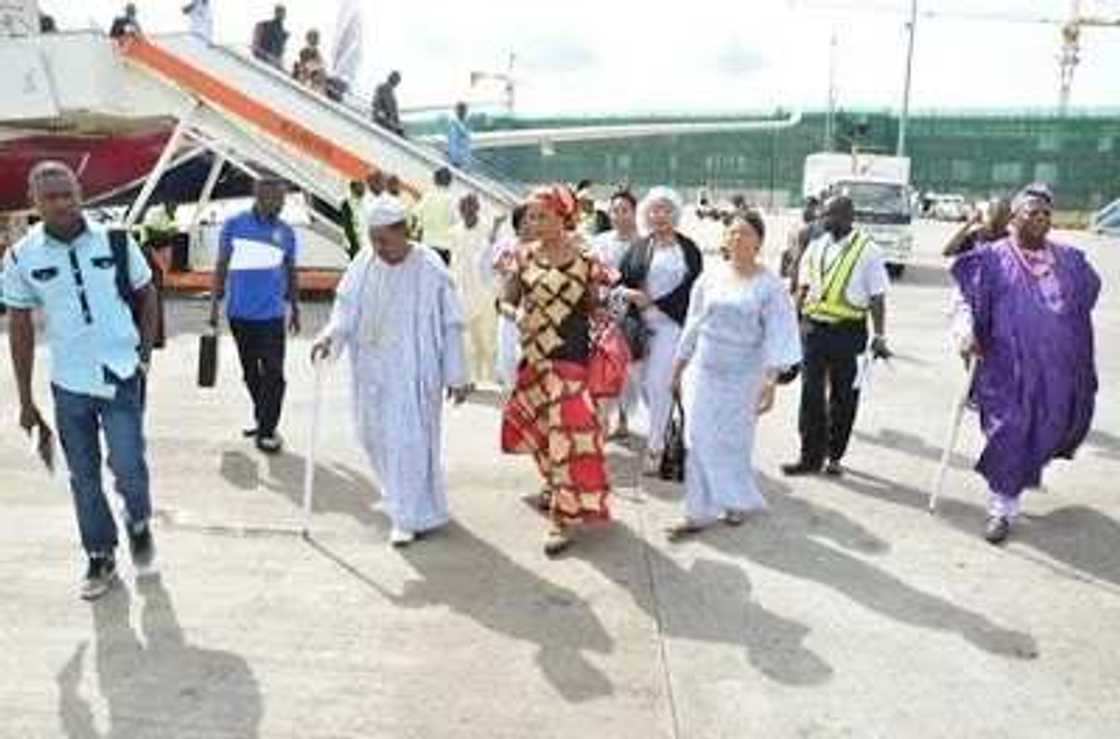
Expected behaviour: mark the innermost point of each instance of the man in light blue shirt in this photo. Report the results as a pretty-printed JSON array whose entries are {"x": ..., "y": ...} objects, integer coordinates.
[
  {"x": 459, "y": 138},
  {"x": 67, "y": 268}
]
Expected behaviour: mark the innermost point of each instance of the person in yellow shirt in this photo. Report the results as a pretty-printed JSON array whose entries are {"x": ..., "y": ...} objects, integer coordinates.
[
  {"x": 470, "y": 242},
  {"x": 436, "y": 213}
]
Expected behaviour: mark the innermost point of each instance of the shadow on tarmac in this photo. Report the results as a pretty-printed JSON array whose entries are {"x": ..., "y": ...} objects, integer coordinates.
[
  {"x": 1105, "y": 444},
  {"x": 1079, "y": 537},
  {"x": 710, "y": 601},
  {"x": 153, "y": 682},
  {"x": 788, "y": 540},
  {"x": 913, "y": 444},
  {"x": 460, "y": 571},
  {"x": 338, "y": 488}
]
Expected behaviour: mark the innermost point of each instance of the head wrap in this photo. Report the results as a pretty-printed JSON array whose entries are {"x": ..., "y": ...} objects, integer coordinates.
[
  {"x": 558, "y": 199},
  {"x": 385, "y": 210},
  {"x": 1036, "y": 193},
  {"x": 659, "y": 195}
]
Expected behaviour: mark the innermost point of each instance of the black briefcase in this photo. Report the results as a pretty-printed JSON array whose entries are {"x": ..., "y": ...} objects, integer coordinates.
[{"x": 207, "y": 360}]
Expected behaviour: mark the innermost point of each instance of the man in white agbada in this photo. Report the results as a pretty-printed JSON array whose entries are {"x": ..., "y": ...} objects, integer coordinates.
[
  {"x": 397, "y": 312},
  {"x": 476, "y": 282}
]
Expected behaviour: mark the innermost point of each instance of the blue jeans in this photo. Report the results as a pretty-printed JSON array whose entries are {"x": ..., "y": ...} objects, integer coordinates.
[{"x": 80, "y": 420}]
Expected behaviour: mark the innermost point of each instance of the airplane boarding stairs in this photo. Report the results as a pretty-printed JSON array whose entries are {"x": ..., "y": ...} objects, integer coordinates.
[
  {"x": 222, "y": 99},
  {"x": 252, "y": 111}
]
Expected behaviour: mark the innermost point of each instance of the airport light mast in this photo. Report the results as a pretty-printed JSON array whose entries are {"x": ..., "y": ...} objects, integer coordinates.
[
  {"x": 507, "y": 79},
  {"x": 1069, "y": 57}
]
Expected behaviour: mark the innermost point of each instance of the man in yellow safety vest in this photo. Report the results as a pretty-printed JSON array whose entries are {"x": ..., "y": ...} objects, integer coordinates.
[{"x": 842, "y": 278}]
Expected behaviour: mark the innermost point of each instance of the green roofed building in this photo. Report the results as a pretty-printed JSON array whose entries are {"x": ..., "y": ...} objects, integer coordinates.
[{"x": 974, "y": 153}]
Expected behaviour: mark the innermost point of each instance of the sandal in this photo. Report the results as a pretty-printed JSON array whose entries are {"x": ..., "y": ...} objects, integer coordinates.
[
  {"x": 557, "y": 541},
  {"x": 683, "y": 529},
  {"x": 734, "y": 518},
  {"x": 620, "y": 433}
]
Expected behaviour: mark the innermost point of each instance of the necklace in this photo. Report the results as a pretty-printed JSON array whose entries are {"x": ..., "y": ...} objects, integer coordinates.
[{"x": 1037, "y": 263}]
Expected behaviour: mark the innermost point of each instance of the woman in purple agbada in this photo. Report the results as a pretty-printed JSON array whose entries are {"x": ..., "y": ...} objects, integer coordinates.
[{"x": 1025, "y": 316}]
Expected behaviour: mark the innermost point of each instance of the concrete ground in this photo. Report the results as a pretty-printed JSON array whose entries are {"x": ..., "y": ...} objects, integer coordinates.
[{"x": 845, "y": 611}]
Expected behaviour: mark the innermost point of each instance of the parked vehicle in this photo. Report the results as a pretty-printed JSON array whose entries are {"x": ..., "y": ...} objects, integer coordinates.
[
  {"x": 879, "y": 187},
  {"x": 1107, "y": 220},
  {"x": 948, "y": 208}
]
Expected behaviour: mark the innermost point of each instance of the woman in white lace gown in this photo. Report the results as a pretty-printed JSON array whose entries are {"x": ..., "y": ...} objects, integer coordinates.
[{"x": 741, "y": 333}]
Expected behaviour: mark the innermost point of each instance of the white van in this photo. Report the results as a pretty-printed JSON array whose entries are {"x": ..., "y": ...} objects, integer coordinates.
[{"x": 1107, "y": 220}]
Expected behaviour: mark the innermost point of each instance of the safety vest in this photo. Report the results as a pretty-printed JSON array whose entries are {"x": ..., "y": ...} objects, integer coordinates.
[{"x": 830, "y": 304}]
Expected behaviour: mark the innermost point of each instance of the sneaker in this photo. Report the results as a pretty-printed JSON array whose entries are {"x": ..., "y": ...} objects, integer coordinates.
[
  {"x": 270, "y": 444},
  {"x": 401, "y": 538},
  {"x": 834, "y": 468},
  {"x": 100, "y": 577},
  {"x": 143, "y": 549}
]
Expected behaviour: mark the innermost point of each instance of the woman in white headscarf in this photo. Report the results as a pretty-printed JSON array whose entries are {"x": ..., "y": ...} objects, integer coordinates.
[{"x": 657, "y": 277}]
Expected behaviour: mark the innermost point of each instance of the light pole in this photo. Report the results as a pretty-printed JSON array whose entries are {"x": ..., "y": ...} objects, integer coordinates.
[
  {"x": 910, "y": 27},
  {"x": 507, "y": 79},
  {"x": 1070, "y": 55},
  {"x": 830, "y": 120}
]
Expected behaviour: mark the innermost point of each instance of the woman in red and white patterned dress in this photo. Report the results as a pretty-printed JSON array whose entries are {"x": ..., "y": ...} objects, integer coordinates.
[{"x": 553, "y": 285}]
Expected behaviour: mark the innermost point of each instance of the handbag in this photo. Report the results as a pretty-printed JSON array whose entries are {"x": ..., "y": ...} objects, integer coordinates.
[
  {"x": 673, "y": 456},
  {"x": 636, "y": 333},
  {"x": 633, "y": 327},
  {"x": 609, "y": 366},
  {"x": 208, "y": 359}
]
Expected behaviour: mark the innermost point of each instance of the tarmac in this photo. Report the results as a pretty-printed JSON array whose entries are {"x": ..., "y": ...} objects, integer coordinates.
[{"x": 845, "y": 610}]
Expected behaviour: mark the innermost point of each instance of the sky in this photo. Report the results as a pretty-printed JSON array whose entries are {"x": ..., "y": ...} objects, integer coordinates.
[{"x": 591, "y": 56}]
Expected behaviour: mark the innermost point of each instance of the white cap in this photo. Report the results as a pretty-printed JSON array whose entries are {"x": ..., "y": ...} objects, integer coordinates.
[{"x": 385, "y": 210}]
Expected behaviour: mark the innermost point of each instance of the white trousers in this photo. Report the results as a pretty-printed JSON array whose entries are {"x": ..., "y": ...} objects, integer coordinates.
[
  {"x": 1004, "y": 506},
  {"x": 657, "y": 375}
]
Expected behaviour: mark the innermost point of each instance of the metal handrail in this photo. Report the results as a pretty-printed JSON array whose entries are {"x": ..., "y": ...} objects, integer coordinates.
[
  {"x": 484, "y": 177},
  {"x": 360, "y": 103}
]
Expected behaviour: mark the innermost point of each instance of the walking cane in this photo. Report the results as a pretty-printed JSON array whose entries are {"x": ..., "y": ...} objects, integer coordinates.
[
  {"x": 951, "y": 436},
  {"x": 312, "y": 443}
]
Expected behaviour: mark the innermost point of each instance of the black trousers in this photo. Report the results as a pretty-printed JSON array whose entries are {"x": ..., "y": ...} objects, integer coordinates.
[
  {"x": 831, "y": 361},
  {"x": 260, "y": 344}
]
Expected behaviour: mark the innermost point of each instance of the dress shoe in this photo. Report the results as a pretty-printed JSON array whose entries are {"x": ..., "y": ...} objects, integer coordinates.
[
  {"x": 997, "y": 529},
  {"x": 800, "y": 468}
]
